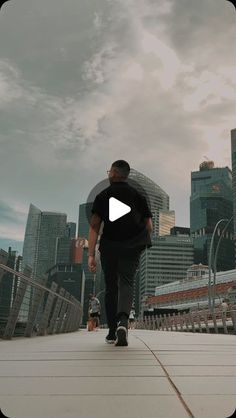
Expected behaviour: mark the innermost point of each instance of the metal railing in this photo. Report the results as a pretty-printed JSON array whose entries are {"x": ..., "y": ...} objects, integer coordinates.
[
  {"x": 223, "y": 322},
  {"x": 28, "y": 307}
]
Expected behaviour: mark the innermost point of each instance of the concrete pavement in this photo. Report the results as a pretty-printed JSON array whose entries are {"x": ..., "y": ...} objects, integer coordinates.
[{"x": 159, "y": 375}]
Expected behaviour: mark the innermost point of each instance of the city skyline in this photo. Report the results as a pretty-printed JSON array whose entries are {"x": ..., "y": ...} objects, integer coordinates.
[{"x": 84, "y": 84}]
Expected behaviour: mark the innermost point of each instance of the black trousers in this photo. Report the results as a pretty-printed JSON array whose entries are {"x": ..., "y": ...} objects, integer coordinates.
[{"x": 119, "y": 272}]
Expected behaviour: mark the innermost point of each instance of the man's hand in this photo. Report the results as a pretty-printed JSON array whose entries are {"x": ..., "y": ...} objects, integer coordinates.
[{"x": 92, "y": 265}]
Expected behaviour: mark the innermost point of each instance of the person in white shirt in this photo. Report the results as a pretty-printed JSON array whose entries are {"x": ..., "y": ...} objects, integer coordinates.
[{"x": 132, "y": 319}]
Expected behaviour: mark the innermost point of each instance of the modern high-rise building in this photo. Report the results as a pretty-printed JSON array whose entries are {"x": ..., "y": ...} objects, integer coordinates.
[
  {"x": 69, "y": 277},
  {"x": 63, "y": 250},
  {"x": 39, "y": 248},
  {"x": 210, "y": 201},
  {"x": 41, "y": 233},
  {"x": 9, "y": 283},
  {"x": 157, "y": 198},
  {"x": 166, "y": 261},
  {"x": 233, "y": 157},
  {"x": 166, "y": 221},
  {"x": 158, "y": 201},
  {"x": 71, "y": 229},
  {"x": 83, "y": 222},
  {"x": 180, "y": 230}
]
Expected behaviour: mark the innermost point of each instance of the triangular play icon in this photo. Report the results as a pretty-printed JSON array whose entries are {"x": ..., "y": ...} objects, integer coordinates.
[{"x": 117, "y": 209}]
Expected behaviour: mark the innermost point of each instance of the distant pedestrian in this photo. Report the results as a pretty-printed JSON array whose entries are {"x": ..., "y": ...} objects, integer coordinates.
[
  {"x": 94, "y": 309},
  {"x": 132, "y": 319},
  {"x": 224, "y": 306}
]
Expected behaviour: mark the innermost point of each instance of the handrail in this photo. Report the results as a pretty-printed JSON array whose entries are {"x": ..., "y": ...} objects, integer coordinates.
[{"x": 35, "y": 284}]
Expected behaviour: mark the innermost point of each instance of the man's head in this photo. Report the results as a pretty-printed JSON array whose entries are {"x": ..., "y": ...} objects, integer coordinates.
[{"x": 119, "y": 171}]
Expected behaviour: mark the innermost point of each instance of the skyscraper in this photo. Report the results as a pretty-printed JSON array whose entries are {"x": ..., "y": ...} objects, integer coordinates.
[
  {"x": 39, "y": 248},
  {"x": 42, "y": 231},
  {"x": 83, "y": 222},
  {"x": 158, "y": 201},
  {"x": 8, "y": 284},
  {"x": 210, "y": 201},
  {"x": 157, "y": 198}
]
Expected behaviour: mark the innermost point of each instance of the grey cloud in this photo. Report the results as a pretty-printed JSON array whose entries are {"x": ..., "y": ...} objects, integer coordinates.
[
  {"x": 202, "y": 30},
  {"x": 8, "y": 214},
  {"x": 77, "y": 109}
]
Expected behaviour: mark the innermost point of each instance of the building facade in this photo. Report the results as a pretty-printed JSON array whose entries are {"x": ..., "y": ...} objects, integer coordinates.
[
  {"x": 157, "y": 198},
  {"x": 158, "y": 201},
  {"x": 71, "y": 230},
  {"x": 42, "y": 231},
  {"x": 166, "y": 261},
  {"x": 9, "y": 284},
  {"x": 210, "y": 201},
  {"x": 192, "y": 292},
  {"x": 166, "y": 221},
  {"x": 39, "y": 248}
]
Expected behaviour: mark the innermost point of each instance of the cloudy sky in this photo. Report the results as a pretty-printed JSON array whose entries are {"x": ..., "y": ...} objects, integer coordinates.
[{"x": 86, "y": 82}]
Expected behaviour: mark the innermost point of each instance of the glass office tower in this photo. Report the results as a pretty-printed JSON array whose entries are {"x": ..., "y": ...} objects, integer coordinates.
[
  {"x": 158, "y": 201},
  {"x": 39, "y": 249},
  {"x": 157, "y": 198},
  {"x": 210, "y": 201}
]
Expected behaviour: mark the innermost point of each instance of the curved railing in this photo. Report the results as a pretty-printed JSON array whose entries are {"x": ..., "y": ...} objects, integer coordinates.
[
  {"x": 28, "y": 307},
  {"x": 220, "y": 321}
]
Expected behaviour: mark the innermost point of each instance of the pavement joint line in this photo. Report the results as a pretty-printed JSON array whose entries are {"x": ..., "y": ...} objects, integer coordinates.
[
  {"x": 88, "y": 394},
  {"x": 187, "y": 409},
  {"x": 72, "y": 377}
]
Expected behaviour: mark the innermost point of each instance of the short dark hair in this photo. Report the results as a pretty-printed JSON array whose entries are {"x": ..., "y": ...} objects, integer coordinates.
[{"x": 123, "y": 167}]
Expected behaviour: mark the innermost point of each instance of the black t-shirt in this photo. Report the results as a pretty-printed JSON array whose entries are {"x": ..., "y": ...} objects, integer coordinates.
[{"x": 130, "y": 230}]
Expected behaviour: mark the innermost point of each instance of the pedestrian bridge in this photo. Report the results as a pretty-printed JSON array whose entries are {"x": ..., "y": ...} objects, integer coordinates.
[{"x": 161, "y": 374}]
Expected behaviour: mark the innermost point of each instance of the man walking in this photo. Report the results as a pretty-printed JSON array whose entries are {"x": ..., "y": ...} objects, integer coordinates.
[{"x": 121, "y": 244}]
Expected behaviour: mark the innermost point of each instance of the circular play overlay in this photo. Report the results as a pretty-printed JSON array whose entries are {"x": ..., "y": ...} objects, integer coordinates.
[{"x": 104, "y": 184}]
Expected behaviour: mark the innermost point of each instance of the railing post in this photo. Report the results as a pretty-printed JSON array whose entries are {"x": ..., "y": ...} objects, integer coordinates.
[
  {"x": 67, "y": 319},
  {"x": 199, "y": 323},
  {"x": 54, "y": 320},
  {"x": 73, "y": 314},
  {"x": 175, "y": 322},
  {"x": 62, "y": 313},
  {"x": 192, "y": 321},
  {"x": 180, "y": 321},
  {"x": 186, "y": 322},
  {"x": 214, "y": 322},
  {"x": 233, "y": 317},
  {"x": 37, "y": 299},
  {"x": 206, "y": 322},
  {"x": 43, "y": 324},
  {"x": 170, "y": 322},
  {"x": 12, "y": 319},
  {"x": 223, "y": 317},
  {"x": 165, "y": 322}
]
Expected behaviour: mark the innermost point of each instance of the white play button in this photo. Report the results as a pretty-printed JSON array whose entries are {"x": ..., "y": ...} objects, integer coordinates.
[{"x": 117, "y": 209}]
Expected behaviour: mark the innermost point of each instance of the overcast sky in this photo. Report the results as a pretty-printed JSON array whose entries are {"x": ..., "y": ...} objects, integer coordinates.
[{"x": 86, "y": 82}]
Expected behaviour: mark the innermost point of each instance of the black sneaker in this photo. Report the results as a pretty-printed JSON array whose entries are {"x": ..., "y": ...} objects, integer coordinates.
[
  {"x": 122, "y": 333},
  {"x": 111, "y": 337}
]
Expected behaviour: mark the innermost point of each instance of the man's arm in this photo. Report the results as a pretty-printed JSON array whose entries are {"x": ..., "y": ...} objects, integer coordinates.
[
  {"x": 149, "y": 225},
  {"x": 95, "y": 224}
]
